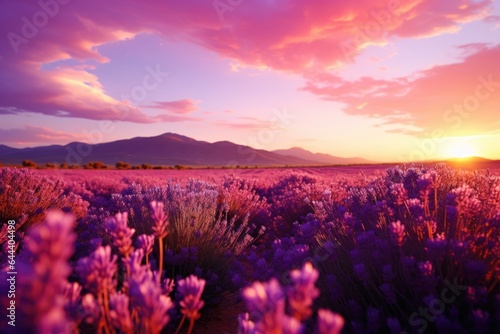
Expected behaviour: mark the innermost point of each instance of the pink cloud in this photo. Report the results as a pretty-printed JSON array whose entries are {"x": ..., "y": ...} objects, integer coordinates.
[
  {"x": 35, "y": 134},
  {"x": 179, "y": 107},
  {"x": 494, "y": 19},
  {"x": 460, "y": 98},
  {"x": 176, "y": 118},
  {"x": 245, "y": 123},
  {"x": 283, "y": 35}
]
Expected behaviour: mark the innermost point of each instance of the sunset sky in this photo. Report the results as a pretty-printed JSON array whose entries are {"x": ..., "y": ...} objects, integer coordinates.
[{"x": 384, "y": 80}]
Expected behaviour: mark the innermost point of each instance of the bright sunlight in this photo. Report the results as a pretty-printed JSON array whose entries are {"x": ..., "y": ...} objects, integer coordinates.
[{"x": 459, "y": 149}]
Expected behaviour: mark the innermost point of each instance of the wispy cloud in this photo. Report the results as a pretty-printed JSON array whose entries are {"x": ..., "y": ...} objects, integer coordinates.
[
  {"x": 36, "y": 135},
  {"x": 179, "y": 107},
  {"x": 244, "y": 123}
]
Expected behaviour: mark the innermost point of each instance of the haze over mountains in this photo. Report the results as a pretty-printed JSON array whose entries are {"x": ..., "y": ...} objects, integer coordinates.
[
  {"x": 168, "y": 149},
  {"x": 322, "y": 158}
]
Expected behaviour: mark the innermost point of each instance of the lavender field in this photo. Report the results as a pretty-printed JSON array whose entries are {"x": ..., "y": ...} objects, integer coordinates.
[{"x": 391, "y": 250}]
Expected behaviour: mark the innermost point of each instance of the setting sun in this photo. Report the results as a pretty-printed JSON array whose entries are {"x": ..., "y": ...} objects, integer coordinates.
[{"x": 459, "y": 149}]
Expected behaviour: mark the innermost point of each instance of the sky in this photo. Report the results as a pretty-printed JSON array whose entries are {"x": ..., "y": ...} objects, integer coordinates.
[{"x": 385, "y": 80}]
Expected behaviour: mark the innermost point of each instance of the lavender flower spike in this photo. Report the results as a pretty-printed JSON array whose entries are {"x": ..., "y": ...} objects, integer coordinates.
[
  {"x": 98, "y": 270},
  {"x": 121, "y": 233},
  {"x": 397, "y": 233},
  {"x": 148, "y": 300},
  {"x": 245, "y": 325},
  {"x": 160, "y": 223},
  {"x": 43, "y": 270},
  {"x": 191, "y": 289},
  {"x": 266, "y": 300},
  {"x": 329, "y": 322},
  {"x": 119, "y": 313},
  {"x": 301, "y": 296},
  {"x": 146, "y": 242}
]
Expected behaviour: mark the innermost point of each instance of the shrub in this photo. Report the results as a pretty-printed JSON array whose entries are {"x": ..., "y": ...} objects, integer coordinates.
[
  {"x": 122, "y": 165},
  {"x": 95, "y": 165},
  {"x": 29, "y": 164}
]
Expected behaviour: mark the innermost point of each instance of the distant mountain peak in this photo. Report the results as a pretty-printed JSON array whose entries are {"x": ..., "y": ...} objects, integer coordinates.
[{"x": 175, "y": 136}]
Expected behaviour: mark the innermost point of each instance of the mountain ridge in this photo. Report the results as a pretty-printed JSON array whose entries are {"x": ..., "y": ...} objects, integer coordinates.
[
  {"x": 165, "y": 149},
  {"x": 169, "y": 149},
  {"x": 322, "y": 157}
]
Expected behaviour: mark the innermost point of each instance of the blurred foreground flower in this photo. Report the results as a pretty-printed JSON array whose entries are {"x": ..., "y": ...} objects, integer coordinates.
[
  {"x": 265, "y": 303},
  {"x": 329, "y": 322},
  {"x": 303, "y": 292},
  {"x": 42, "y": 269},
  {"x": 191, "y": 289},
  {"x": 148, "y": 300}
]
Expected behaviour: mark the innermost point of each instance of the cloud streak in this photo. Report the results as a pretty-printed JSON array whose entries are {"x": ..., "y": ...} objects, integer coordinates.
[
  {"x": 178, "y": 107},
  {"x": 36, "y": 135}
]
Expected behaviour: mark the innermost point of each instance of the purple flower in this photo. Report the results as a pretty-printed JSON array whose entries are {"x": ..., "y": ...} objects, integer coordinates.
[
  {"x": 291, "y": 326},
  {"x": 329, "y": 322},
  {"x": 42, "y": 271},
  {"x": 119, "y": 312},
  {"x": 387, "y": 273},
  {"x": 437, "y": 247},
  {"x": 146, "y": 243},
  {"x": 397, "y": 233},
  {"x": 465, "y": 200},
  {"x": 399, "y": 193},
  {"x": 72, "y": 296},
  {"x": 394, "y": 325},
  {"x": 245, "y": 325},
  {"x": 160, "y": 223},
  {"x": 168, "y": 286},
  {"x": 267, "y": 302},
  {"x": 97, "y": 271},
  {"x": 134, "y": 265},
  {"x": 191, "y": 289},
  {"x": 425, "y": 268},
  {"x": 146, "y": 297},
  {"x": 362, "y": 273},
  {"x": 120, "y": 232},
  {"x": 303, "y": 292},
  {"x": 91, "y": 309}
]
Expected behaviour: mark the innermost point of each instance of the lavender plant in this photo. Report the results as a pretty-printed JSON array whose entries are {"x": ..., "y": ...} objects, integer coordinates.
[{"x": 410, "y": 250}]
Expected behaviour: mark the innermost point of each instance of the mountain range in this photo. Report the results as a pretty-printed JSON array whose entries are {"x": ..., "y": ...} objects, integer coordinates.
[{"x": 169, "y": 149}]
